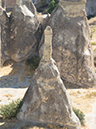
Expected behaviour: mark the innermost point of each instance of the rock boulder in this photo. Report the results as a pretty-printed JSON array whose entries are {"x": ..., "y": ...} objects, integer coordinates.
[
  {"x": 71, "y": 43},
  {"x": 47, "y": 101},
  {"x": 23, "y": 27}
]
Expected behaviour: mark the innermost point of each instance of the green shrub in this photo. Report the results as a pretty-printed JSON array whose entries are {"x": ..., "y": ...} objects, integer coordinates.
[
  {"x": 51, "y": 6},
  {"x": 93, "y": 43},
  {"x": 95, "y": 50},
  {"x": 33, "y": 62},
  {"x": 92, "y": 32},
  {"x": 10, "y": 110},
  {"x": 80, "y": 115},
  {"x": 91, "y": 94}
]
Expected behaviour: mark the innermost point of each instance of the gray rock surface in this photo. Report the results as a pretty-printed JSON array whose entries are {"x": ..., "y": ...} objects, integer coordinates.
[
  {"x": 10, "y": 4},
  {"x": 30, "y": 6},
  {"x": 46, "y": 100},
  {"x": 90, "y": 7},
  {"x": 71, "y": 43},
  {"x": 4, "y": 36},
  {"x": 23, "y": 27}
]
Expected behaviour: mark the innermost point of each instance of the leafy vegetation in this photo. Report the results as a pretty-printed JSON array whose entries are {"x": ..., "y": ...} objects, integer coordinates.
[
  {"x": 10, "y": 110},
  {"x": 51, "y": 6},
  {"x": 80, "y": 115},
  {"x": 92, "y": 31},
  {"x": 33, "y": 62},
  {"x": 95, "y": 50},
  {"x": 93, "y": 43}
]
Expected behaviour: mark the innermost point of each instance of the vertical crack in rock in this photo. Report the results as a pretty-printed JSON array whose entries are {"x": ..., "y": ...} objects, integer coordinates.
[{"x": 46, "y": 100}]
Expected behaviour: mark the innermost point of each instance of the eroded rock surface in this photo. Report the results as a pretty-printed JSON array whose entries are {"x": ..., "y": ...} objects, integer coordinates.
[
  {"x": 23, "y": 26},
  {"x": 46, "y": 100},
  {"x": 4, "y": 36},
  {"x": 71, "y": 43}
]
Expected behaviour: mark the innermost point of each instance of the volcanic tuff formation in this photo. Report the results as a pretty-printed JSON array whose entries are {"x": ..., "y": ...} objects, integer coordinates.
[
  {"x": 71, "y": 43},
  {"x": 90, "y": 7},
  {"x": 46, "y": 100},
  {"x": 23, "y": 26},
  {"x": 20, "y": 32}
]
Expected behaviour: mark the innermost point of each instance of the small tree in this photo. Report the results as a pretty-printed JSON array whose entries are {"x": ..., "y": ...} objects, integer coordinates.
[{"x": 51, "y": 6}]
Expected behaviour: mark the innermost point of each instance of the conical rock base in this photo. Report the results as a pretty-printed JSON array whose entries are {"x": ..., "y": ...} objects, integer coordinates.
[{"x": 47, "y": 101}]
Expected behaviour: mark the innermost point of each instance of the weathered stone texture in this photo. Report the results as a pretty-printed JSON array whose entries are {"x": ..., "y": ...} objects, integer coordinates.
[
  {"x": 23, "y": 26},
  {"x": 46, "y": 100},
  {"x": 4, "y": 36},
  {"x": 30, "y": 6},
  {"x": 71, "y": 43},
  {"x": 90, "y": 7}
]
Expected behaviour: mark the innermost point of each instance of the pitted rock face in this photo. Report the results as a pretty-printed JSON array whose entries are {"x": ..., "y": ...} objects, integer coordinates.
[{"x": 47, "y": 101}]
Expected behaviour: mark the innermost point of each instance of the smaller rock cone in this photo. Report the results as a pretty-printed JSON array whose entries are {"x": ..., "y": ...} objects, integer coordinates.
[{"x": 46, "y": 100}]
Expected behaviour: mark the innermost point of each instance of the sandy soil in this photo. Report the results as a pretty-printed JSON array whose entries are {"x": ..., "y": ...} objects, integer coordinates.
[{"x": 83, "y": 99}]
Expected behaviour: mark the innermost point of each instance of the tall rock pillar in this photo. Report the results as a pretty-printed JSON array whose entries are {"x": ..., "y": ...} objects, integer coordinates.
[
  {"x": 46, "y": 100},
  {"x": 47, "y": 55},
  {"x": 71, "y": 43}
]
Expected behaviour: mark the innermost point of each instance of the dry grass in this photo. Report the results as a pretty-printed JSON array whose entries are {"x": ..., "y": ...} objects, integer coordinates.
[
  {"x": 90, "y": 94},
  {"x": 83, "y": 99},
  {"x": 8, "y": 95}
]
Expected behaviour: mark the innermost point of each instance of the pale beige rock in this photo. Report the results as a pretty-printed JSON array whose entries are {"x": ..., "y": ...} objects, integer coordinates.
[
  {"x": 47, "y": 52},
  {"x": 47, "y": 101}
]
